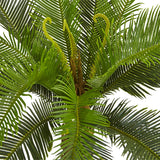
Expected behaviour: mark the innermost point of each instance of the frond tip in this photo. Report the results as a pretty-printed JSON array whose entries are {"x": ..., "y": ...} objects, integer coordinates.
[
  {"x": 45, "y": 30},
  {"x": 71, "y": 38},
  {"x": 48, "y": 36},
  {"x": 93, "y": 68},
  {"x": 64, "y": 58},
  {"x": 107, "y": 24}
]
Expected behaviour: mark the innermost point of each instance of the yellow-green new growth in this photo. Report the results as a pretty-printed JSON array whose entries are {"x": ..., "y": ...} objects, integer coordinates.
[
  {"x": 71, "y": 38},
  {"x": 48, "y": 36},
  {"x": 107, "y": 25},
  {"x": 74, "y": 59},
  {"x": 93, "y": 69},
  {"x": 64, "y": 59}
]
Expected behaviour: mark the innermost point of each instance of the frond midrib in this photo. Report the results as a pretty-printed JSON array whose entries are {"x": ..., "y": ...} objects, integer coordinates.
[
  {"x": 22, "y": 140},
  {"x": 132, "y": 59},
  {"x": 139, "y": 53},
  {"x": 10, "y": 46},
  {"x": 90, "y": 60},
  {"x": 20, "y": 92},
  {"x": 109, "y": 88},
  {"x": 62, "y": 18},
  {"x": 120, "y": 16},
  {"x": 6, "y": 16},
  {"x": 77, "y": 126},
  {"x": 134, "y": 139}
]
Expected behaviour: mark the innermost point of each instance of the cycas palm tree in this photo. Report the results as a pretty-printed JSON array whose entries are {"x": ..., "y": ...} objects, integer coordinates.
[{"x": 72, "y": 54}]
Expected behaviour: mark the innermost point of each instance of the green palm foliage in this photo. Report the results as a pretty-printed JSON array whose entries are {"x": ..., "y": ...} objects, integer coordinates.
[{"x": 72, "y": 54}]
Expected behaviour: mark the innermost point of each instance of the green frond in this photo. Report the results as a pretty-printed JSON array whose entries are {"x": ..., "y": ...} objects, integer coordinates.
[
  {"x": 71, "y": 39},
  {"x": 107, "y": 25},
  {"x": 17, "y": 75},
  {"x": 57, "y": 11},
  {"x": 33, "y": 137},
  {"x": 136, "y": 131},
  {"x": 43, "y": 92},
  {"x": 123, "y": 11},
  {"x": 78, "y": 124},
  {"x": 51, "y": 66},
  {"x": 132, "y": 78},
  {"x": 89, "y": 34},
  {"x": 118, "y": 14},
  {"x": 133, "y": 48},
  {"x": 89, "y": 8},
  {"x": 15, "y": 16},
  {"x": 19, "y": 72},
  {"x": 97, "y": 57}
]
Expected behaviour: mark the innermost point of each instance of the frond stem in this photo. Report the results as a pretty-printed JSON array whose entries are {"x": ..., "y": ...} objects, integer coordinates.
[{"x": 77, "y": 125}]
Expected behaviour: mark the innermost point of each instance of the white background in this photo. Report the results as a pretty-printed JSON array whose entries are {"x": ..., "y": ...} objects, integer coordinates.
[{"x": 151, "y": 101}]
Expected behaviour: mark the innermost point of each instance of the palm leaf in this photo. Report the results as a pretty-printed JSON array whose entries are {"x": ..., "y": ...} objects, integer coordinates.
[
  {"x": 19, "y": 72},
  {"x": 17, "y": 76},
  {"x": 57, "y": 11},
  {"x": 33, "y": 137},
  {"x": 132, "y": 49},
  {"x": 120, "y": 11},
  {"x": 43, "y": 92},
  {"x": 14, "y": 16},
  {"x": 51, "y": 66},
  {"x": 131, "y": 78},
  {"x": 123, "y": 11},
  {"x": 124, "y": 75},
  {"x": 78, "y": 124},
  {"x": 136, "y": 131},
  {"x": 90, "y": 34}
]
